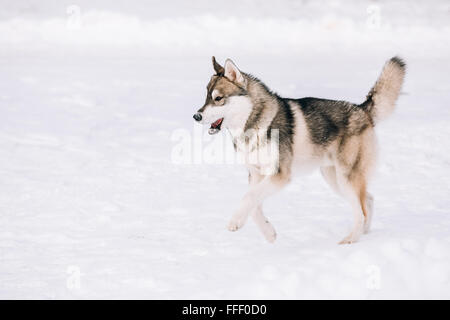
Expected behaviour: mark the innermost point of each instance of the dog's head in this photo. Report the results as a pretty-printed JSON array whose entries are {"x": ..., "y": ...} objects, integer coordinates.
[{"x": 224, "y": 96}]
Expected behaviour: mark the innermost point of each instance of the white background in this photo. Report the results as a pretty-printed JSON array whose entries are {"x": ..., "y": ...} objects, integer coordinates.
[{"x": 92, "y": 204}]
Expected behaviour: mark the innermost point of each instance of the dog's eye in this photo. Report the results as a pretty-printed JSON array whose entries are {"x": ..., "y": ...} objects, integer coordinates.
[{"x": 218, "y": 98}]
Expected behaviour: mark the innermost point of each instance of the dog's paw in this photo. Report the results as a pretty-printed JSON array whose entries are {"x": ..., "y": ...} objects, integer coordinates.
[
  {"x": 346, "y": 241},
  {"x": 270, "y": 236},
  {"x": 235, "y": 224},
  {"x": 351, "y": 238}
]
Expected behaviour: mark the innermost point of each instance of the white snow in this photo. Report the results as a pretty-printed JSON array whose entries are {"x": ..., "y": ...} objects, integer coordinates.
[{"x": 94, "y": 205}]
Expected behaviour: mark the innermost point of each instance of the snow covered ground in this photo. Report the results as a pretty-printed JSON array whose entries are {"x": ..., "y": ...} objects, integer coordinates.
[{"x": 94, "y": 204}]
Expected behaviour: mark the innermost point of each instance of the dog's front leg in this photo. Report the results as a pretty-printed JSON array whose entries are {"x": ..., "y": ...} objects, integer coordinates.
[
  {"x": 264, "y": 225},
  {"x": 255, "y": 196},
  {"x": 260, "y": 220}
]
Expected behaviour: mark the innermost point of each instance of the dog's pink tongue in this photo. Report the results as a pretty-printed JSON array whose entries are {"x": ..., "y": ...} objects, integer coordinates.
[{"x": 216, "y": 124}]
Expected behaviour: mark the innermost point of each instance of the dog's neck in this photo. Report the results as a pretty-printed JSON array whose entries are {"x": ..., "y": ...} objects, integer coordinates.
[
  {"x": 246, "y": 136},
  {"x": 240, "y": 109}
]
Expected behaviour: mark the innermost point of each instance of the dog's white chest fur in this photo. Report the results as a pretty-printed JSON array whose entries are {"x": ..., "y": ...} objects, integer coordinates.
[{"x": 253, "y": 146}]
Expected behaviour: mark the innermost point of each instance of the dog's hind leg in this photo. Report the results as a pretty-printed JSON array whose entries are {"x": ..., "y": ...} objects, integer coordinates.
[
  {"x": 353, "y": 187},
  {"x": 359, "y": 201},
  {"x": 358, "y": 207},
  {"x": 329, "y": 174}
]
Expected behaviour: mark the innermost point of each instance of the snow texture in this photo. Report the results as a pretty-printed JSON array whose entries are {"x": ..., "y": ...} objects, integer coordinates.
[{"x": 95, "y": 98}]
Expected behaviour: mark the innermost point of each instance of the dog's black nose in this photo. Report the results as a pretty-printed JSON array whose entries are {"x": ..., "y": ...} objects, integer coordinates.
[{"x": 197, "y": 116}]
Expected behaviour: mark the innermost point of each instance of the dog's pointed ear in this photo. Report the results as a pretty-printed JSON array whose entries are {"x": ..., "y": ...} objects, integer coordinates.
[
  {"x": 217, "y": 67},
  {"x": 233, "y": 73}
]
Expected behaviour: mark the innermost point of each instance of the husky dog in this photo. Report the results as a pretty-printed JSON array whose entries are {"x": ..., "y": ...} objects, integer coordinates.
[{"x": 336, "y": 136}]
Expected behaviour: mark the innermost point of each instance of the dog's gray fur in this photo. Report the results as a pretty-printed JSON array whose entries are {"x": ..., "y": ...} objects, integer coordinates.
[{"x": 336, "y": 136}]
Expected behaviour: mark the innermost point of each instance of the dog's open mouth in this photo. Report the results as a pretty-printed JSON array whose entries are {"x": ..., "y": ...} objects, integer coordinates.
[{"x": 215, "y": 126}]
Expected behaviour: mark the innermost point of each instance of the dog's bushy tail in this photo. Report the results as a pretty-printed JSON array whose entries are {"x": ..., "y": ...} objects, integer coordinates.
[{"x": 380, "y": 101}]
